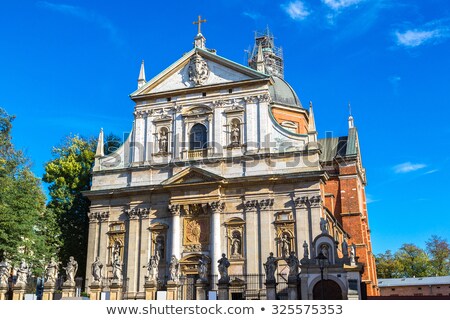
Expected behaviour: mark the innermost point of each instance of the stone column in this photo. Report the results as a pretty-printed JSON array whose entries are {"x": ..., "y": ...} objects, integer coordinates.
[
  {"x": 3, "y": 291},
  {"x": 115, "y": 291},
  {"x": 175, "y": 209},
  {"x": 201, "y": 287},
  {"x": 264, "y": 120},
  {"x": 132, "y": 251},
  {"x": 49, "y": 290},
  {"x": 224, "y": 291},
  {"x": 271, "y": 290},
  {"x": 251, "y": 120},
  {"x": 93, "y": 237},
  {"x": 253, "y": 260},
  {"x": 216, "y": 209},
  {"x": 304, "y": 285},
  {"x": 150, "y": 290},
  {"x": 95, "y": 291},
  {"x": 172, "y": 290},
  {"x": 138, "y": 151},
  {"x": 68, "y": 290}
]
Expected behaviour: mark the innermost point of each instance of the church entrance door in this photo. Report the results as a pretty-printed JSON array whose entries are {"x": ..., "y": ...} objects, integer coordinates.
[{"x": 331, "y": 290}]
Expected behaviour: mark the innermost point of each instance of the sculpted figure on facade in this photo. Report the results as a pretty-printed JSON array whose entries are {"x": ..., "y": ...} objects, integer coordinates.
[
  {"x": 71, "y": 270},
  {"x": 324, "y": 225},
  {"x": 51, "y": 271},
  {"x": 163, "y": 141},
  {"x": 224, "y": 264},
  {"x": 152, "y": 269},
  {"x": 159, "y": 248},
  {"x": 97, "y": 268},
  {"x": 235, "y": 132},
  {"x": 198, "y": 70},
  {"x": 285, "y": 242},
  {"x": 270, "y": 267},
  {"x": 203, "y": 268},
  {"x": 117, "y": 270},
  {"x": 5, "y": 271},
  {"x": 353, "y": 254},
  {"x": 235, "y": 244},
  {"x": 22, "y": 273},
  {"x": 344, "y": 247},
  {"x": 194, "y": 231},
  {"x": 174, "y": 268},
  {"x": 305, "y": 250}
]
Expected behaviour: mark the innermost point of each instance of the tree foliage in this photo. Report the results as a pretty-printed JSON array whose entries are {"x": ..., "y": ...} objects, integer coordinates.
[
  {"x": 23, "y": 218},
  {"x": 411, "y": 261},
  {"x": 68, "y": 174}
]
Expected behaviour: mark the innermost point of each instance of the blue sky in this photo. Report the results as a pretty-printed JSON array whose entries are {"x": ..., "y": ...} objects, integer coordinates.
[{"x": 68, "y": 67}]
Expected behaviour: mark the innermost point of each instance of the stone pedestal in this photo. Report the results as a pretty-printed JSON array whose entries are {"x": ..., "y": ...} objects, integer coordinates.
[
  {"x": 224, "y": 291},
  {"x": 150, "y": 290},
  {"x": 271, "y": 290},
  {"x": 115, "y": 291},
  {"x": 201, "y": 287},
  {"x": 3, "y": 291},
  {"x": 68, "y": 290},
  {"x": 95, "y": 291},
  {"x": 18, "y": 292},
  {"x": 292, "y": 290},
  {"x": 172, "y": 290},
  {"x": 49, "y": 290}
]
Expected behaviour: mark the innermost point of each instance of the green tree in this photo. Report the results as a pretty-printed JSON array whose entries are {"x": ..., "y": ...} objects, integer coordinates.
[
  {"x": 413, "y": 260},
  {"x": 23, "y": 233},
  {"x": 439, "y": 252},
  {"x": 68, "y": 174},
  {"x": 388, "y": 266}
]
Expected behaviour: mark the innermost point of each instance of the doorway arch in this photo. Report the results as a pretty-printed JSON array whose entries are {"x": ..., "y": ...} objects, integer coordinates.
[{"x": 331, "y": 290}]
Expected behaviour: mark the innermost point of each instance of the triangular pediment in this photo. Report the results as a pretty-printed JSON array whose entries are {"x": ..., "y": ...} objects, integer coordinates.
[
  {"x": 198, "y": 68},
  {"x": 192, "y": 175}
]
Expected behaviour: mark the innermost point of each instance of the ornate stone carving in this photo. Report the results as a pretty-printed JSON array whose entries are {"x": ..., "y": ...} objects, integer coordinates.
[
  {"x": 324, "y": 225},
  {"x": 203, "y": 268},
  {"x": 71, "y": 270},
  {"x": 251, "y": 205},
  {"x": 224, "y": 264},
  {"x": 152, "y": 269},
  {"x": 23, "y": 272},
  {"x": 305, "y": 250},
  {"x": 98, "y": 216},
  {"x": 51, "y": 272},
  {"x": 308, "y": 201},
  {"x": 265, "y": 204},
  {"x": 270, "y": 267},
  {"x": 293, "y": 263},
  {"x": 315, "y": 201},
  {"x": 198, "y": 70},
  {"x": 217, "y": 206},
  {"x": 251, "y": 99},
  {"x": 175, "y": 209},
  {"x": 96, "y": 269},
  {"x": 5, "y": 271},
  {"x": 301, "y": 202},
  {"x": 117, "y": 271},
  {"x": 264, "y": 97},
  {"x": 174, "y": 269},
  {"x": 137, "y": 213}
]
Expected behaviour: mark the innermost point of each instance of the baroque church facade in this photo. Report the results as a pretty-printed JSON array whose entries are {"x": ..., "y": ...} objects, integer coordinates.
[{"x": 224, "y": 159}]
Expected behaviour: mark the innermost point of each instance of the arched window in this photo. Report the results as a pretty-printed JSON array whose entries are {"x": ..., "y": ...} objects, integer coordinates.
[{"x": 197, "y": 137}]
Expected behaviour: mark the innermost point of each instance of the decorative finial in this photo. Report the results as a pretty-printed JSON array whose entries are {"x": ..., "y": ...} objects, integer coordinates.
[
  {"x": 141, "y": 79},
  {"x": 199, "y": 23},
  {"x": 351, "y": 123}
]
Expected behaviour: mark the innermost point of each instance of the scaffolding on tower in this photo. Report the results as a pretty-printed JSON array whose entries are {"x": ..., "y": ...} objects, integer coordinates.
[{"x": 272, "y": 56}]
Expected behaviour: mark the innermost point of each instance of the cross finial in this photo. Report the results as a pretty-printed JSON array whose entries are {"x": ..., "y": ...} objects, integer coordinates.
[{"x": 199, "y": 22}]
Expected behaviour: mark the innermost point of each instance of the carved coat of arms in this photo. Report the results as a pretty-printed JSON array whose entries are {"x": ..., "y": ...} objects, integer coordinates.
[{"x": 198, "y": 70}]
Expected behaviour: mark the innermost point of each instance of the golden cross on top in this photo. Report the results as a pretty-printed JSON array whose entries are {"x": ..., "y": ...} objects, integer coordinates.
[{"x": 199, "y": 22}]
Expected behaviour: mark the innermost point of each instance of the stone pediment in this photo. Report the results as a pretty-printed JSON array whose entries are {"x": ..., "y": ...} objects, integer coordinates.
[
  {"x": 192, "y": 175},
  {"x": 198, "y": 68}
]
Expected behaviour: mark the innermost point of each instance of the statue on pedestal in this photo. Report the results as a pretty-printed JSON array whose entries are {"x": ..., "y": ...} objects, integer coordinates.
[
  {"x": 5, "y": 272},
  {"x": 174, "y": 268},
  {"x": 152, "y": 269},
  {"x": 203, "y": 268},
  {"x": 224, "y": 264},
  {"x": 293, "y": 263},
  {"x": 344, "y": 247},
  {"x": 353, "y": 254},
  {"x": 71, "y": 271},
  {"x": 97, "y": 270},
  {"x": 51, "y": 272},
  {"x": 22, "y": 273},
  {"x": 270, "y": 267},
  {"x": 305, "y": 250}
]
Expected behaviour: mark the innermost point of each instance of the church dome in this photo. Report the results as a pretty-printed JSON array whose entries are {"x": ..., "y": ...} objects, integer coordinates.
[{"x": 282, "y": 93}]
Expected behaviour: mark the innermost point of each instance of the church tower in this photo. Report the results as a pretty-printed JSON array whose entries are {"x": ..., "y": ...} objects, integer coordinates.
[{"x": 265, "y": 56}]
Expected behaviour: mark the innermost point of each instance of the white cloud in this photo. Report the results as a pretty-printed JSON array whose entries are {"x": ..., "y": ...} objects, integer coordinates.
[
  {"x": 340, "y": 4},
  {"x": 83, "y": 14},
  {"x": 415, "y": 38},
  {"x": 252, "y": 15},
  {"x": 408, "y": 167},
  {"x": 370, "y": 199},
  {"x": 296, "y": 10},
  {"x": 432, "y": 171}
]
